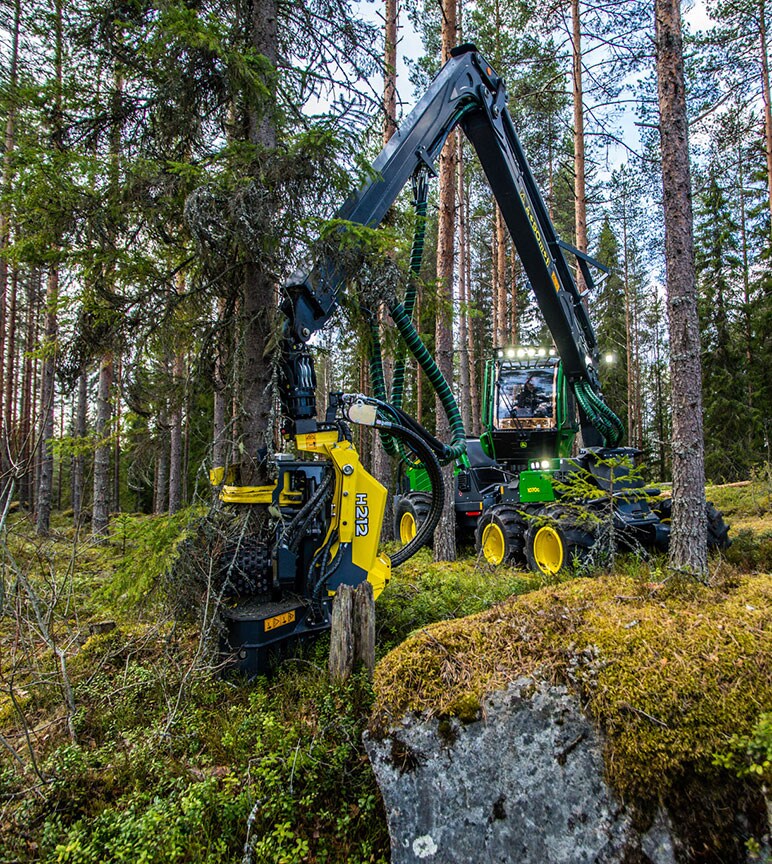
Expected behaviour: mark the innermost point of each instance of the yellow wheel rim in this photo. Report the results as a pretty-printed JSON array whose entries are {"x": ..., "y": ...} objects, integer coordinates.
[
  {"x": 548, "y": 550},
  {"x": 407, "y": 527},
  {"x": 494, "y": 544}
]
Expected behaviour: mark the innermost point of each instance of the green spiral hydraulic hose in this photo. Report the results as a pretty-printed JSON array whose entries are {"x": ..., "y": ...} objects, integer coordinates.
[
  {"x": 404, "y": 311},
  {"x": 392, "y": 446},
  {"x": 457, "y": 446},
  {"x": 599, "y": 414}
]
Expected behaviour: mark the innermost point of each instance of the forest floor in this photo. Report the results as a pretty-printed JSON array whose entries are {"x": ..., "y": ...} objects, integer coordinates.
[{"x": 119, "y": 743}]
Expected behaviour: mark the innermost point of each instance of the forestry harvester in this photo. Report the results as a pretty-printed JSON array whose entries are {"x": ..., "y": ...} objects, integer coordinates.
[{"x": 318, "y": 525}]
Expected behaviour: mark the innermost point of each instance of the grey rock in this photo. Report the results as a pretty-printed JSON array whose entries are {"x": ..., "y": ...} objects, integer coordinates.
[{"x": 523, "y": 784}]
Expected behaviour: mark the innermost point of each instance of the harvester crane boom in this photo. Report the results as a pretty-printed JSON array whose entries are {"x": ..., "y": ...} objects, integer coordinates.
[{"x": 468, "y": 92}]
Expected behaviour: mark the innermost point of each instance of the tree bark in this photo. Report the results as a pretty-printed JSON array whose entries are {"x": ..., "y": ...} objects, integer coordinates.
[
  {"x": 463, "y": 334},
  {"x": 78, "y": 460},
  {"x": 100, "y": 514},
  {"x": 175, "y": 436},
  {"x": 47, "y": 403},
  {"x": 259, "y": 290},
  {"x": 502, "y": 337},
  {"x": 445, "y": 533},
  {"x": 688, "y": 541},
  {"x": 221, "y": 398},
  {"x": 767, "y": 103},
  {"x": 390, "y": 70},
  {"x": 6, "y": 344},
  {"x": 580, "y": 195}
]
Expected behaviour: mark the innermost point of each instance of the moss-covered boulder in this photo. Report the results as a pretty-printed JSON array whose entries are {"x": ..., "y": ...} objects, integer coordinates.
[{"x": 667, "y": 675}]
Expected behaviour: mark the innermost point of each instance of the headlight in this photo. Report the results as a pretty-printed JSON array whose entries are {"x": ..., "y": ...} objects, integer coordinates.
[{"x": 545, "y": 463}]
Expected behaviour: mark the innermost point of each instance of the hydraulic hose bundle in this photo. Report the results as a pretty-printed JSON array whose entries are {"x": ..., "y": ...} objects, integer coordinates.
[
  {"x": 601, "y": 416},
  {"x": 402, "y": 314}
]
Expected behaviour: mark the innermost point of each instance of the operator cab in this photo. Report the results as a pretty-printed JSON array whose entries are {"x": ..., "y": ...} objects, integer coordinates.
[{"x": 529, "y": 411}]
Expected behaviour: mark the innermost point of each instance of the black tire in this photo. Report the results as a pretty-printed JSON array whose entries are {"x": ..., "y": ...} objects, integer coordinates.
[
  {"x": 664, "y": 509},
  {"x": 556, "y": 540},
  {"x": 409, "y": 512},
  {"x": 499, "y": 535},
  {"x": 245, "y": 568},
  {"x": 718, "y": 530}
]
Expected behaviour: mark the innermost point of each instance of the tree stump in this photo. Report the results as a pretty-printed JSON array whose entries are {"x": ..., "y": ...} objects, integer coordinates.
[{"x": 352, "y": 639}]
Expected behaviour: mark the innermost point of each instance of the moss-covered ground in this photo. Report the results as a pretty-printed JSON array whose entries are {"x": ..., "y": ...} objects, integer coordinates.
[{"x": 119, "y": 743}]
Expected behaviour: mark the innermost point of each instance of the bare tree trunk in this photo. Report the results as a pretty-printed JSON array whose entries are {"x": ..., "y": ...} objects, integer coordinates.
[
  {"x": 580, "y": 195},
  {"x": 117, "y": 384},
  {"x": 10, "y": 136},
  {"x": 48, "y": 370},
  {"x": 9, "y": 438},
  {"x": 382, "y": 462},
  {"x": 175, "y": 436},
  {"x": 746, "y": 313},
  {"x": 27, "y": 406},
  {"x": 162, "y": 469},
  {"x": 688, "y": 542},
  {"x": 391, "y": 17},
  {"x": 100, "y": 512},
  {"x": 259, "y": 290},
  {"x": 474, "y": 377},
  {"x": 628, "y": 334},
  {"x": 445, "y": 534},
  {"x": 47, "y": 404},
  {"x": 767, "y": 105},
  {"x": 78, "y": 461},
  {"x": 463, "y": 335},
  {"x": 221, "y": 399},
  {"x": 501, "y": 279},
  {"x": 514, "y": 324},
  {"x": 496, "y": 330}
]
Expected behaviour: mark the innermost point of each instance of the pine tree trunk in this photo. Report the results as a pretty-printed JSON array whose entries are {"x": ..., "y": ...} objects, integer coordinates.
[
  {"x": 221, "y": 400},
  {"x": 382, "y": 462},
  {"x": 48, "y": 368},
  {"x": 767, "y": 102},
  {"x": 47, "y": 404},
  {"x": 175, "y": 436},
  {"x": 100, "y": 513},
  {"x": 472, "y": 342},
  {"x": 501, "y": 279},
  {"x": 445, "y": 534},
  {"x": 628, "y": 333},
  {"x": 514, "y": 325},
  {"x": 10, "y": 136},
  {"x": 746, "y": 307},
  {"x": 27, "y": 407},
  {"x": 117, "y": 384},
  {"x": 78, "y": 461},
  {"x": 259, "y": 290},
  {"x": 162, "y": 470},
  {"x": 580, "y": 195},
  {"x": 463, "y": 334},
  {"x": 9, "y": 438},
  {"x": 688, "y": 542},
  {"x": 391, "y": 18}
]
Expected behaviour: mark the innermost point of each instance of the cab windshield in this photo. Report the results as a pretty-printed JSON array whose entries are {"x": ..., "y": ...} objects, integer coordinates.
[{"x": 525, "y": 393}]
